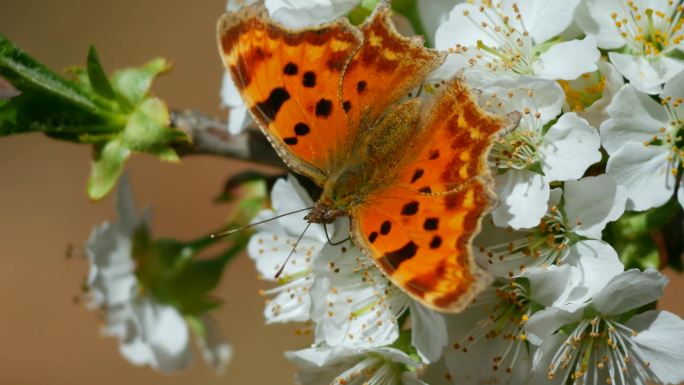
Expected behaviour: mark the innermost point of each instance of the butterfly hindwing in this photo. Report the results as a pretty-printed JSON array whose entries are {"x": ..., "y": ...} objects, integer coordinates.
[
  {"x": 290, "y": 81},
  {"x": 419, "y": 230}
]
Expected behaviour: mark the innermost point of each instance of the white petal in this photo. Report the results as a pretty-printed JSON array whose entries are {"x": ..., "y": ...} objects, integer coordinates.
[
  {"x": 550, "y": 285},
  {"x": 463, "y": 30},
  {"x": 674, "y": 87},
  {"x": 680, "y": 194},
  {"x": 428, "y": 332},
  {"x": 645, "y": 172},
  {"x": 592, "y": 202},
  {"x": 568, "y": 60},
  {"x": 598, "y": 263},
  {"x": 216, "y": 351},
  {"x": 597, "y": 113},
  {"x": 522, "y": 93},
  {"x": 522, "y": 199},
  {"x": 290, "y": 196},
  {"x": 645, "y": 74},
  {"x": 545, "y": 19},
  {"x": 570, "y": 146},
  {"x": 634, "y": 116},
  {"x": 544, "y": 323},
  {"x": 661, "y": 340},
  {"x": 594, "y": 17},
  {"x": 629, "y": 290},
  {"x": 543, "y": 357},
  {"x": 305, "y": 13}
]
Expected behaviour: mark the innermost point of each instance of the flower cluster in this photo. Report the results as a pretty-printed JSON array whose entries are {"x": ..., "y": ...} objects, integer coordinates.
[
  {"x": 152, "y": 328},
  {"x": 600, "y": 86}
]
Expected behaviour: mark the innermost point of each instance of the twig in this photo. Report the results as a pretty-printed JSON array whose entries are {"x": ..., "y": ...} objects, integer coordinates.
[{"x": 211, "y": 137}]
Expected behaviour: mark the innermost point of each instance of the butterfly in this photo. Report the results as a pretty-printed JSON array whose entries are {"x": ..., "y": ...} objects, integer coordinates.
[{"x": 410, "y": 174}]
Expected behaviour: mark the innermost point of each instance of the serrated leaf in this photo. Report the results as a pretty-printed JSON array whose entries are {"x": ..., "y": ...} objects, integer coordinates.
[
  {"x": 134, "y": 83},
  {"x": 97, "y": 77},
  {"x": 106, "y": 168},
  {"x": 27, "y": 75}
]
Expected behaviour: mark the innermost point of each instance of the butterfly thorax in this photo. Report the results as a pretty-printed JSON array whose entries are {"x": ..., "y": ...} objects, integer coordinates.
[{"x": 371, "y": 164}]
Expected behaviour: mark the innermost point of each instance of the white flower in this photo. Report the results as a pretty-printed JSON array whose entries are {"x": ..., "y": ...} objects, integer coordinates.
[
  {"x": 356, "y": 306},
  {"x": 530, "y": 157},
  {"x": 150, "y": 332},
  {"x": 516, "y": 37},
  {"x": 274, "y": 241},
  {"x": 569, "y": 233},
  {"x": 650, "y": 32},
  {"x": 305, "y": 13},
  {"x": 338, "y": 366},
  {"x": 603, "y": 343},
  {"x": 590, "y": 94},
  {"x": 645, "y": 143},
  {"x": 489, "y": 343}
]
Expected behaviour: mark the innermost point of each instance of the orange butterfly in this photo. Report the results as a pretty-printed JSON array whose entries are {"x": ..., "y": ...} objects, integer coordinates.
[{"x": 412, "y": 177}]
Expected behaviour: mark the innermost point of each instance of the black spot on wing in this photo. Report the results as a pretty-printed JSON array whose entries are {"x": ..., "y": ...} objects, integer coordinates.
[
  {"x": 291, "y": 141},
  {"x": 417, "y": 175},
  {"x": 309, "y": 79},
  {"x": 373, "y": 236},
  {"x": 361, "y": 86},
  {"x": 301, "y": 129},
  {"x": 431, "y": 224},
  {"x": 410, "y": 208},
  {"x": 323, "y": 108},
  {"x": 290, "y": 69},
  {"x": 346, "y": 105},
  {"x": 434, "y": 154},
  {"x": 397, "y": 257},
  {"x": 436, "y": 242},
  {"x": 425, "y": 190},
  {"x": 269, "y": 108},
  {"x": 386, "y": 227}
]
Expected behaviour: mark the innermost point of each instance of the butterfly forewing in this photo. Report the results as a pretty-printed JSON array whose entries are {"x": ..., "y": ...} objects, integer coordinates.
[{"x": 290, "y": 80}]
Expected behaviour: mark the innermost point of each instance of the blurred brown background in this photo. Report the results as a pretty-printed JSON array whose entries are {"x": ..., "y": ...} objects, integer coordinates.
[{"x": 45, "y": 337}]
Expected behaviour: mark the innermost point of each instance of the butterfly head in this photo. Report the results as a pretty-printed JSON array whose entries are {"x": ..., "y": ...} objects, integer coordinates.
[{"x": 324, "y": 212}]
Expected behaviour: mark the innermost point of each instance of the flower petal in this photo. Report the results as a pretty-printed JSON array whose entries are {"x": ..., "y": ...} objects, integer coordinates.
[
  {"x": 570, "y": 146},
  {"x": 594, "y": 17},
  {"x": 630, "y": 290},
  {"x": 646, "y": 74},
  {"x": 305, "y": 13},
  {"x": 546, "y": 19},
  {"x": 216, "y": 351},
  {"x": 597, "y": 112},
  {"x": 645, "y": 173},
  {"x": 523, "y": 196},
  {"x": 634, "y": 116},
  {"x": 428, "y": 332},
  {"x": 598, "y": 263},
  {"x": 544, "y": 323},
  {"x": 568, "y": 60},
  {"x": 592, "y": 202},
  {"x": 463, "y": 30},
  {"x": 661, "y": 341}
]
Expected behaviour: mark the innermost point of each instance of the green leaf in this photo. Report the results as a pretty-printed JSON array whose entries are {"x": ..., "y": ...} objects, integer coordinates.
[
  {"x": 147, "y": 126},
  {"x": 27, "y": 75},
  {"x": 106, "y": 168},
  {"x": 134, "y": 83},
  {"x": 97, "y": 77}
]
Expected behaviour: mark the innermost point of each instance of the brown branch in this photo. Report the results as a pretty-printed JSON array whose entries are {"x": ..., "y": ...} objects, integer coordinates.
[{"x": 210, "y": 136}]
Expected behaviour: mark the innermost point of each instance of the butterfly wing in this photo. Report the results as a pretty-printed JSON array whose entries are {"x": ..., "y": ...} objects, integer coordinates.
[
  {"x": 419, "y": 230},
  {"x": 290, "y": 81},
  {"x": 386, "y": 68}
]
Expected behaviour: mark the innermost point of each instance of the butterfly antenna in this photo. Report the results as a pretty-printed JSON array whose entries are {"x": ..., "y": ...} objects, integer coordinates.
[
  {"x": 235, "y": 230},
  {"x": 280, "y": 271},
  {"x": 325, "y": 228}
]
